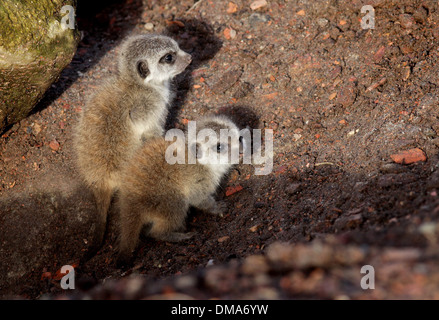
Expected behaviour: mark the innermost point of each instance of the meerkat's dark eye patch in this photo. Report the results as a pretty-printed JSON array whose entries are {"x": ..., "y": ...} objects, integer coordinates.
[
  {"x": 220, "y": 147},
  {"x": 142, "y": 69},
  {"x": 168, "y": 58}
]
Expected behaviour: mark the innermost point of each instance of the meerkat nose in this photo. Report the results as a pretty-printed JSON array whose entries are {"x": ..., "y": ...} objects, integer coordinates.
[{"x": 188, "y": 58}]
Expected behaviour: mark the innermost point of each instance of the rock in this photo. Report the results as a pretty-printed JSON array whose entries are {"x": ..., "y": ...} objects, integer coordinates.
[
  {"x": 149, "y": 26},
  {"x": 254, "y": 228},
  {"x": 255, "y": 265},
  {"x": 293, "y": 188},
  {"x": 220, "y": 279},
  {"x": 409, "y": 156},
  {"x": 255, "y": 5},
  {"x": 286, "y": 257},
  {"x": 223, "y": 239},
  {"x": 54, "y": 145},
  {"x": 400, "y": 255},
  {"x": 352, "y": 132},
  {"x": 429, "y": 230},
  {"x": 210, "y": 263},
  {"x": 406, "y": 49},
  {"x": 185, "y": 282},
  {"x": 35, "y": 48},
  {"x": 229, "y": 33},
  {"x": 233, "y": 190},
  {"x": 406, "y": 73},
  {"x": 349, "y": 255},
  {"x": 232, "y": 8},
  {"x": 132, "y": 287},
  {"x": 280, "y": 256},
  {"x": 316, "y": 255},
  {"x": 36, "y": 128}
]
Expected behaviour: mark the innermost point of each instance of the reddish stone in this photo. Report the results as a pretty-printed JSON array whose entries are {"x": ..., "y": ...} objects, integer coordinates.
[{"x": 409, "y": 156}]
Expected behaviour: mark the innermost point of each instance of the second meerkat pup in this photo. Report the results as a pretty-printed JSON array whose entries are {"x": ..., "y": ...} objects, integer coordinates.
[
  {"x": 126, "y": 110},
  {"x": 157, "y": 194}
]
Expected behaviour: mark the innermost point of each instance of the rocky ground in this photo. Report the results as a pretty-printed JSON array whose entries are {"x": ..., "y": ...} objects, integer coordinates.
[{"x": 355, "y": 179}]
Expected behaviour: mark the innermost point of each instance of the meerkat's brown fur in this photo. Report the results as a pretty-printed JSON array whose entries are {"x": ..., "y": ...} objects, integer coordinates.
[
  {"x": 128, "y": 109},
  {"x": 158, "y": 194}
]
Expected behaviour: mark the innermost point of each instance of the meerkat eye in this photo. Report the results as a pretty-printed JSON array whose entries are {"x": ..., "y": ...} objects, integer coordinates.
[
  {"x": 240, "y": 139},
  {"x": 219, "y": 147},
  {"x": 168, "y": 58}
]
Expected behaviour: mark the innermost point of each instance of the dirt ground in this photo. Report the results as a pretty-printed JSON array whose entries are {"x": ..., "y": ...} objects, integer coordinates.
[{"x": 344, "y": 102}]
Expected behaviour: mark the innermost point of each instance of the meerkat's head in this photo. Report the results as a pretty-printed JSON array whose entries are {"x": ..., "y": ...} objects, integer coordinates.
[
  {"x": 151, "y": 59},
  {"x": 218, "y": 143}
]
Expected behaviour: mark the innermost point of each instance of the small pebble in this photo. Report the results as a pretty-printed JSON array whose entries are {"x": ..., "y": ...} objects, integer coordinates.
[
  {"x": 223, "y": 239},
  {"x": 232, "y": 8},
  {"x": 409, "y": 156},
  {"x": 255, "y": 5},
  {"x": 54, "y": 145},
  {"x": 407, "y": 21},
  {"x": 149, "y": 26},
  {"x": 255, "y": 265}
]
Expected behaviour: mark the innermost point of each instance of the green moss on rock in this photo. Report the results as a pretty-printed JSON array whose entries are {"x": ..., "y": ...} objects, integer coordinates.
[{"x": 34, "y": 49}]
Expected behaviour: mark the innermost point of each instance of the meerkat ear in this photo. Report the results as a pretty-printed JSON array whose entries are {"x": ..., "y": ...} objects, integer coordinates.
[{"x": 142, "y": 69}]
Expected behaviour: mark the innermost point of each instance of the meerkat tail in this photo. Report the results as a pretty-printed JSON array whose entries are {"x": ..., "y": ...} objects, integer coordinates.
[{"x": 130, "y": 228}]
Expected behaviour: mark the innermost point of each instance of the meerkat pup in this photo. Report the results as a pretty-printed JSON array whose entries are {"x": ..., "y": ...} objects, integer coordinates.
[
  {"x": 157, "y": 194},
  {"x": 126, "y": 110}
]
